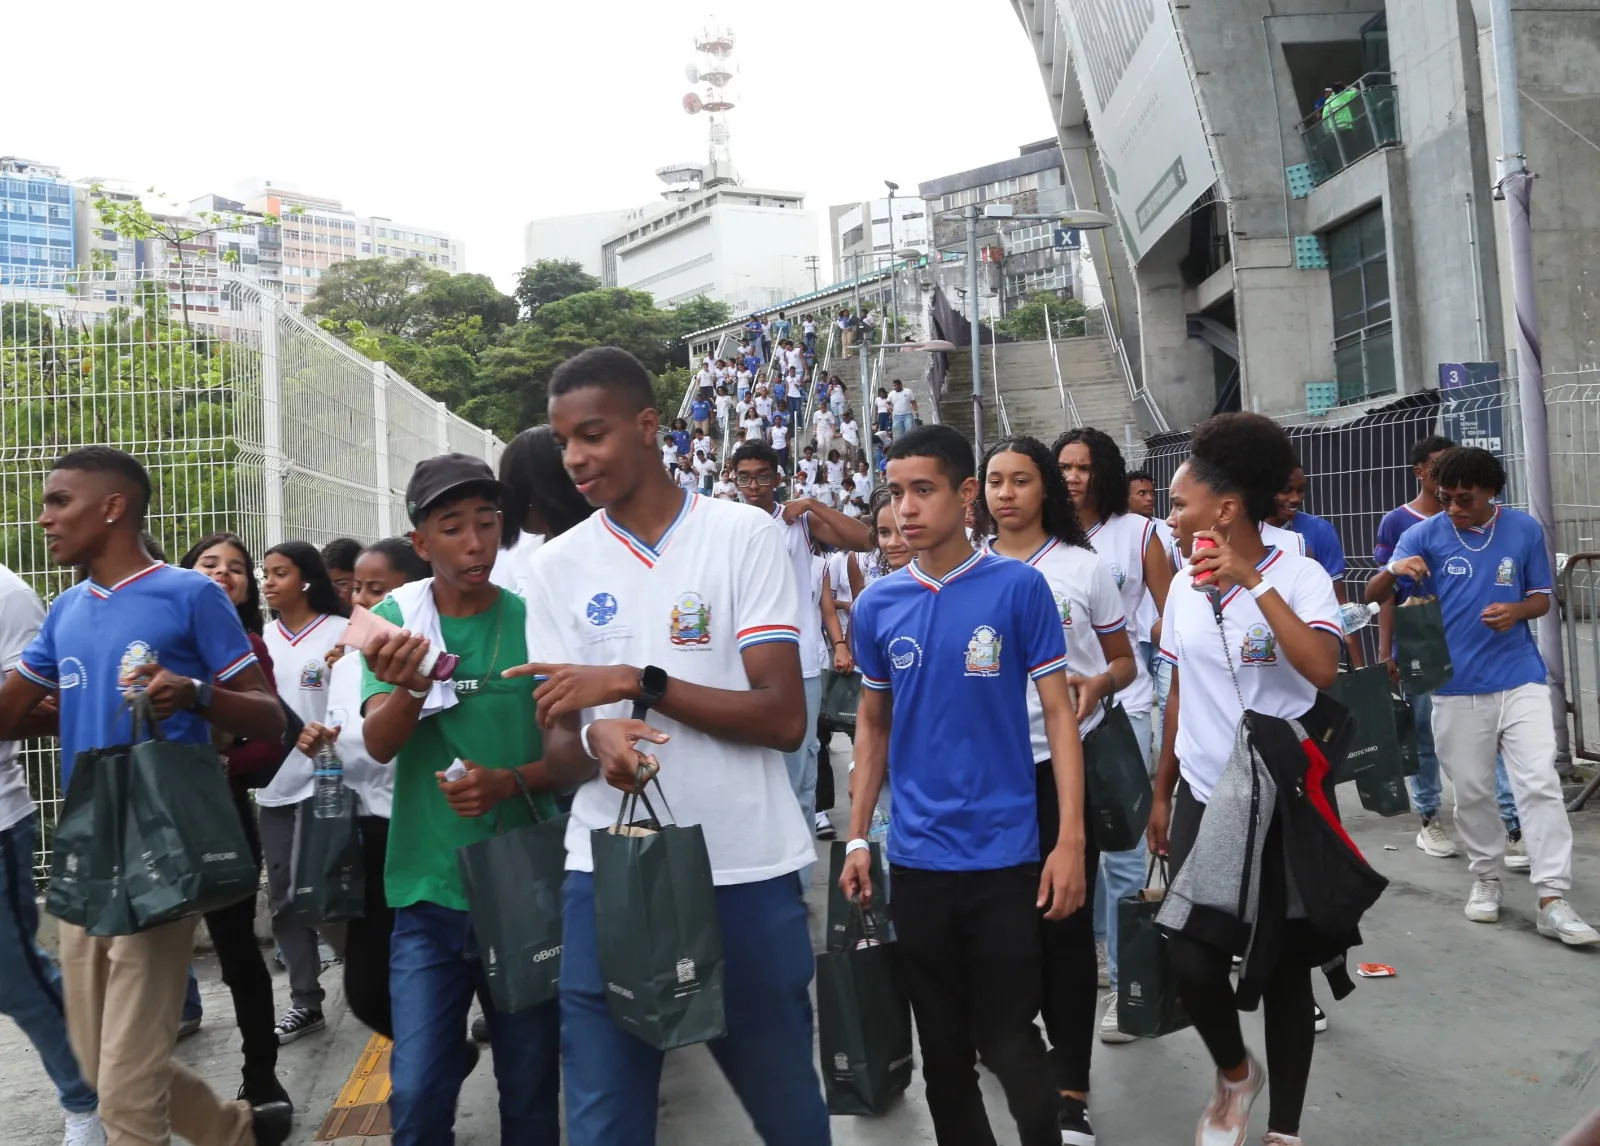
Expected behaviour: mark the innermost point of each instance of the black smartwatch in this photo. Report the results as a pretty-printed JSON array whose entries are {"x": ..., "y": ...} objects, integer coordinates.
[
  {"x": 202, "y": 694},
  {"x": 652, "y": 686}
]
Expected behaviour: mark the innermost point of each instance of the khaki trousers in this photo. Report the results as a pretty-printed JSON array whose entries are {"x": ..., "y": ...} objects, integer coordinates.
[{"x": 124, "y": 997}]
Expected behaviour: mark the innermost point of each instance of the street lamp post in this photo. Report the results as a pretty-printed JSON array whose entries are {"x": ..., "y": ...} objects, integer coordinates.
[
  {"x": 894, "y": 277},
  {"x": 1082, "y": 220}
]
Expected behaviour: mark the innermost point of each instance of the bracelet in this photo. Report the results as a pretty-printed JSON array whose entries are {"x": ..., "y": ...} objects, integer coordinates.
[
  {"x": 423, "y": 695},
  {"x": 856, "y": 845},
  {"x": 583, "y": 736},
  {"x": 1263, "y": 587}
]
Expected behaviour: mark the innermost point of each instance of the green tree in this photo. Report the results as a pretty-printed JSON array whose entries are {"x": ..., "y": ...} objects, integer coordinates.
[
  {"x": 1026, "y": 323},
  {"x": 697, "y": 313},
  {"x": 550, "y": 280},
  {"x": 381, "y": 294},
  {"x": 448, "y": 300}
]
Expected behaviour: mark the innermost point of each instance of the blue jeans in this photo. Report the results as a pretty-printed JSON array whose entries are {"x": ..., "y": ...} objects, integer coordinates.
[
  {"x": 613, "y": 1079},
  {"x": 1122, "y": 874},
  {"x": 802, "y": 763},
  {"x": 30, "y": 985},
  {"x": 1425, "y": 789},
  {"x": 903, "y": 425},
  {"x": 434, "y": 971},
  {"x": 193, "y": 1012}
]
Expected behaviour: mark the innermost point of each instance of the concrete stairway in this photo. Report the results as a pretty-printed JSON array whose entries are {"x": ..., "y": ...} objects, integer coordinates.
[{"x": 1089, "y": 371}]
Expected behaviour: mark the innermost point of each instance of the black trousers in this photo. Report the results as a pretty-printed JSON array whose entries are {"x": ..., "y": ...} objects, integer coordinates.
[
  {"x": 366, "y": 943},
  {"x": 1071, "y": 977},
  {"x": 1202, "y": 972},
  {"x": 969, "y": 955},
  {"x": 825, "y": 796},
  {"x": 244, "y": 969}
]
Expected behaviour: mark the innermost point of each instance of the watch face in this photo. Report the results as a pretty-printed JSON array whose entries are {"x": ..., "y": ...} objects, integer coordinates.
[{"x": 653, "y": 682}]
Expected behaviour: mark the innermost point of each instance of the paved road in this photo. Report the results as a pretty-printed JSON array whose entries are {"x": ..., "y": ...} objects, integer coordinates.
[{"x": 1486, "y": 1038}]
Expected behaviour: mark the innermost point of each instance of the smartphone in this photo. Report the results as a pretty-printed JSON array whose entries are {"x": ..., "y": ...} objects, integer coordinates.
[{"x": 1203, "y": 580}]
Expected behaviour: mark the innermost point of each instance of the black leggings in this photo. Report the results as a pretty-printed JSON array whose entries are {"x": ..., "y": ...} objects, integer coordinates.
[
  {"x": 1202, "y": 972},
  {"x": 244, "y": 969},
  {"x": 366, "y": 943},
  {"x": 1071, "y": 982}
]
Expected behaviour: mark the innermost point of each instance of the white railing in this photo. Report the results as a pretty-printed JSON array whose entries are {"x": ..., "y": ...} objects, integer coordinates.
[
  {"x": 1137, "y": 394},
  {"x": 1069, "y": 408},
  {"x": 249, "y": 417}
]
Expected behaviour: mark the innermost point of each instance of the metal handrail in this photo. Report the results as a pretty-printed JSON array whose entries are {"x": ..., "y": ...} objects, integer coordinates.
[
  {"x": 1000, "y": 414},
  {"x": 689, "y": 390},
  {"x": 1137, "y": 394},
  {"x": 1574, "y": 614},
  {"x": 1069, "y": 407}
]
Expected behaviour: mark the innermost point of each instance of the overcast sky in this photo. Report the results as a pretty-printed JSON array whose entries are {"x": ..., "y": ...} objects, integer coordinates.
[{"x": 477, "y": 117}]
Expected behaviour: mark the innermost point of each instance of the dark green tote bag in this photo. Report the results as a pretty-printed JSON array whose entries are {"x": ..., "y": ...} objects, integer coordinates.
[
  {"x": 842, "y": 911},
  {"x": 656, "y": 928},
  {"x": 1374, "y": 759},
  {"x": 86, "y": 856},
  {"x": 1421, "y": 652},
  {"x": 841, "y": 695},
  {"x": 329, "y": 882},
  {"x": 863, "y": 1023},
  {"x": 1147, "y": 993},
  {"x": 1405, "y": 727},
  {"x": 513, "y": 884},
  {"x": 185, "y": 851},
  {"x": 1116, "y": 785}
]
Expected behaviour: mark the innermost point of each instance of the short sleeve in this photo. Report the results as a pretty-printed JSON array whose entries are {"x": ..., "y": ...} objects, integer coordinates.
[
  {"x": 1383, "y": 546},
  {"x": 1106, "y": 612},
  {"x": 768, "y": 602},
  {"x": 1536, "y": 576},
  {"x": 865, "y": 645},
  {"x": 21, "y": 616},
  {"x": 1313, "y": 601},
  {"x": 1330, "y": 551},
  {"x": 223, "y": 644},
  {"x": 371, "y": 686},
  {"x": 1044, "y": 645}
]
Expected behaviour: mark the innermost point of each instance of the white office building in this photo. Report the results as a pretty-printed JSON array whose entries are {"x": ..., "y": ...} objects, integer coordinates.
[
  {"x": 573, "y": 237},
  {"x": 873, "y": 230}
]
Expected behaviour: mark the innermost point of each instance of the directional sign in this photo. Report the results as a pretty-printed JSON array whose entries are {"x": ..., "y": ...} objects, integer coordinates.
[{"x": 1067, "y": 238}]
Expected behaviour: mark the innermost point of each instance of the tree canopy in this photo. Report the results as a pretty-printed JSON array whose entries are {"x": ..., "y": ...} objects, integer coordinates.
[
  {"x": 1026, "y": 323},
  {"x": 551, "y": 280}
]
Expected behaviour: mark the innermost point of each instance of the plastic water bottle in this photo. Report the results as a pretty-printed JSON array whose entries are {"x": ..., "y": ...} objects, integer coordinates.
[
  {"x": 1353, "y": 615},
  {"x": 327, "y": 796}
]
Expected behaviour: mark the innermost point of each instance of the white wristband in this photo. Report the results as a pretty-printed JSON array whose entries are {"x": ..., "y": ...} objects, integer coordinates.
[
  {"x": 583, "y": 735},
  {"x": 1263, "y": 587},
  {"x": 856, "y": 845},
  {"x": 1391, "y": 570}
]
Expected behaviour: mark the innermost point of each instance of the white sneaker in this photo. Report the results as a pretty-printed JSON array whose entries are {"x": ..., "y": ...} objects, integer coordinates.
[
  {"x": 1431, "y": 839},
  {"x": 1483, "y": 905},
  {"x": 1273, "y": 1138},
  {"x": 1517, "y": 854},
  {"x": 1109, "y": 1031},
  {"x": 1227, "y": 1119},
  {"x": 1102, "y": 965},
  {"x": 84, "y": 1130},
  {"x": 1557, "y": 920},
  {"x": 1319, "y": 1019}
]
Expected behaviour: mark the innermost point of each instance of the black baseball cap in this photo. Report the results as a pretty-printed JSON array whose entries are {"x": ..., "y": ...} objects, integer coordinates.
[{"x": 438, "y": 477}]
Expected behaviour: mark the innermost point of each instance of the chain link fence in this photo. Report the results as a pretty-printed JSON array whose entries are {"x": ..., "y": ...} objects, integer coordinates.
[{"x": 248, "y": 416}]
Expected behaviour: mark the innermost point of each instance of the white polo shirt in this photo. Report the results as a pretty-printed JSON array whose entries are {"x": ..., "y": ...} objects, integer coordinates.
[
  {"x": 1121, "y": 541},
  {"x": 511, "y": 565},
  {"x": 1285, "y": 539},
  {"x": 1208, "y": 708},
  {"x": 1148, "y": 614},
  {"x": 1090, "y": 606},
  {"x": 373, "y": 783},
  {"x": 718, "y": 581},
  {"x": 300, "y": 673}
]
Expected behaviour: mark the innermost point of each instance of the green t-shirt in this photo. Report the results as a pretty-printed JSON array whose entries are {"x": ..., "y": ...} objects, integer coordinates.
[{"x": 492, "y": 724}]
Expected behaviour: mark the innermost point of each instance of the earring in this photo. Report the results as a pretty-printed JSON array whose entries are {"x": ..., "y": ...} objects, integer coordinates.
[{"x": 305, "y": 586}]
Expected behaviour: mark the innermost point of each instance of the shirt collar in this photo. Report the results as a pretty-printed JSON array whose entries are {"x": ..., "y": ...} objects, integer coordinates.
[{"x": 938, "y": 583}]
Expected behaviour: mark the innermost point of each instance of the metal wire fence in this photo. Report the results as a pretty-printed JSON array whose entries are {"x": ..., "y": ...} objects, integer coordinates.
[{"x": 248, "y": 416}]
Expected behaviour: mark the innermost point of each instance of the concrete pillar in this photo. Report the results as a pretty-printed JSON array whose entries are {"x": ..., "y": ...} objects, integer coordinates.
[{"x": 1086, "y": 180}]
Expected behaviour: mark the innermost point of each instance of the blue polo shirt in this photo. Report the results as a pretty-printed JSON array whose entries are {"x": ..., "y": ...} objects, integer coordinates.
[
  {"x": 95, "y": 637},
  {"x": 957, "y": 654},
  {"x": 1322, "y": 540},
  {"x": 700, "y": 410},
  {"x": 1504, "y": 560}
]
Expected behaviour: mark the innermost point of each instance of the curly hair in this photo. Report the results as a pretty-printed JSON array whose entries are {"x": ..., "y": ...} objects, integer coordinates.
[
  {"x": 1108, "y": 471},
  {"x": 1467, "y": 467},
  {"x": 1060, "y": 516},
  {"x": 1243, "y": 453}
]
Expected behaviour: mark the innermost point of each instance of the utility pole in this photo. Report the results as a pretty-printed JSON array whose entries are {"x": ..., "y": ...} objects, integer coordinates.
[
  {"x": 970, "y": 214},
  {"x": 1516, "y": 187},
  {"x": 812, "y": 262},
  {"x": 894, "y": 277}
]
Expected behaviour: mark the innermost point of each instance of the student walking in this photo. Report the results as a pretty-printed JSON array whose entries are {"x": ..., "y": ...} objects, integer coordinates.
[
  {"x": 1490, "y": 568},
  {"x": 1027, "y": 514},
  {"x": 1246, "y": 626},
  {"x": 136, "y": 623},
  {"x": 308, "y": 624},
  {"x": 1097, "y": 478},
  {"x": 30, "y": 984},
  {"x": 1426, "y": 791},
  {"x": 947, "y": 651},
  {"x": 903, "y": 408},
  {"x": 423, "y": 726},
  {"x": 694, "y": 605}
]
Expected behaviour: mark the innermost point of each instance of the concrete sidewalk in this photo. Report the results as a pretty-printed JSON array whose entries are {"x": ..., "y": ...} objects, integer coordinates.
[{"x": 1487, "y": 1037}]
